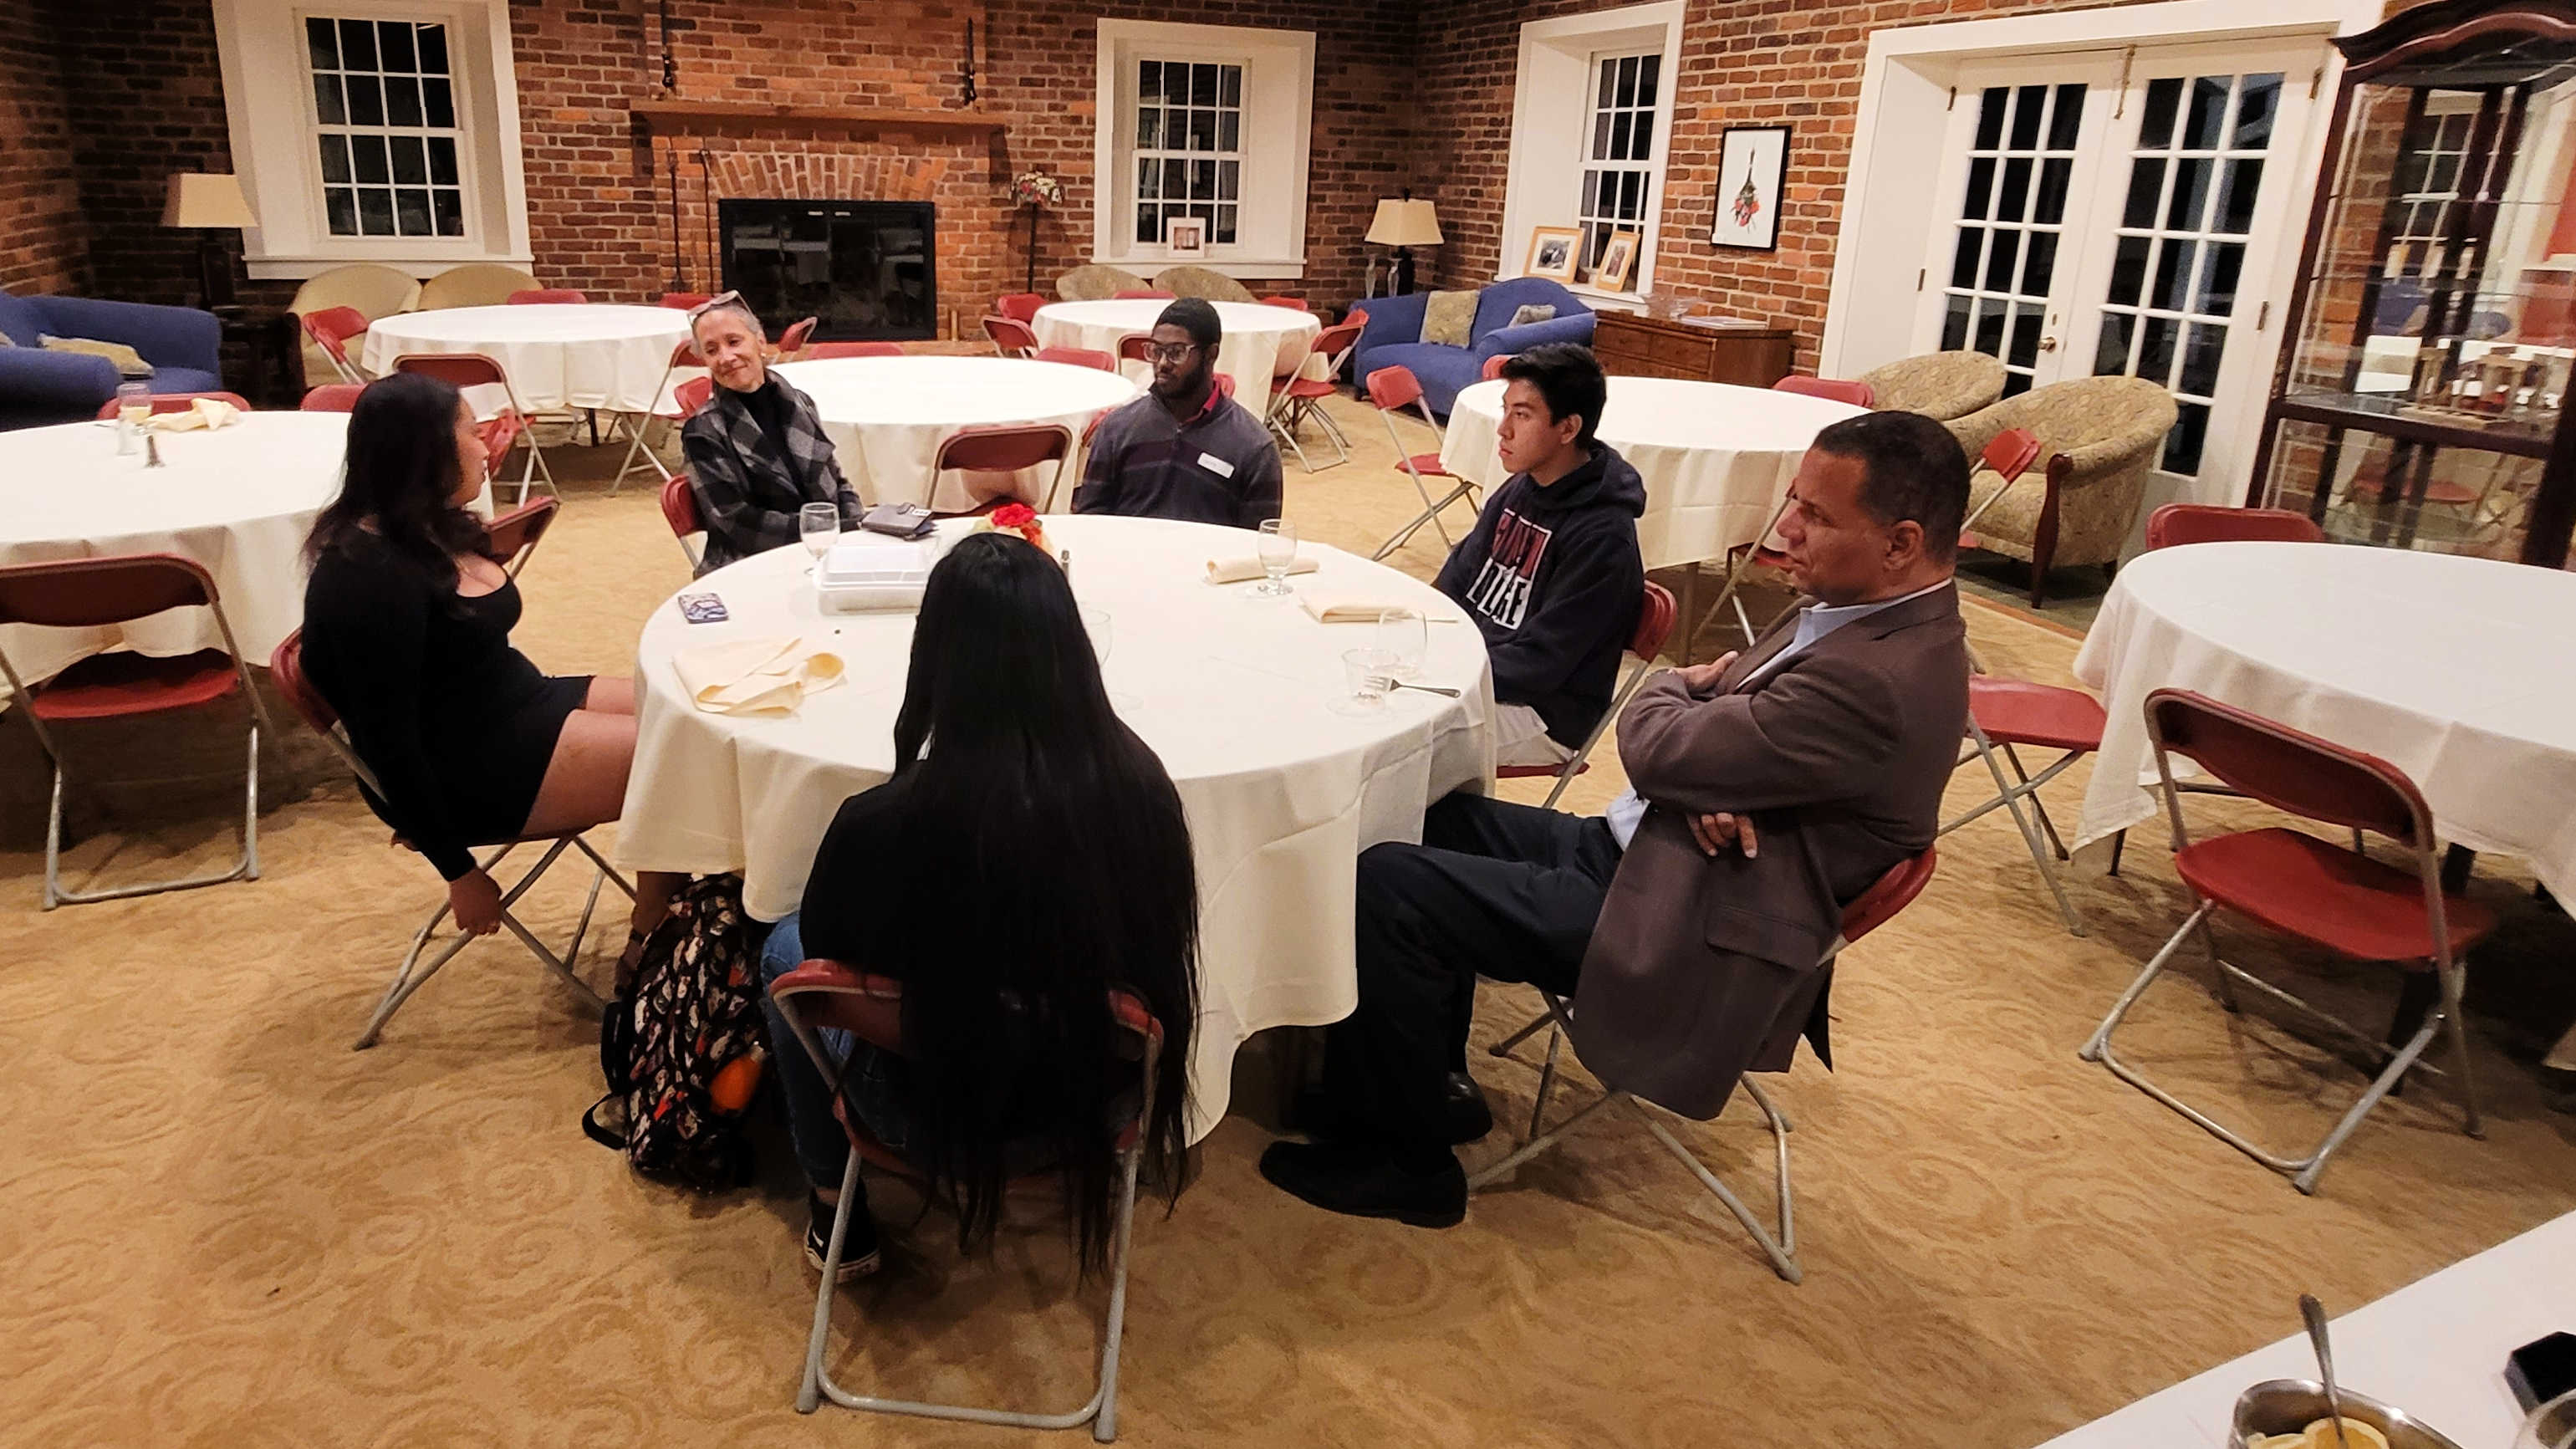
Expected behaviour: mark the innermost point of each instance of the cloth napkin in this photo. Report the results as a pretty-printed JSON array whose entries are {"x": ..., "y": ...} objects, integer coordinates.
[
  {"x": 755, "y": 678},
  {"x": 1358, "y": 606},
  {"x": 1245, "y": 568},
  {"x": 209, "y": 413}
]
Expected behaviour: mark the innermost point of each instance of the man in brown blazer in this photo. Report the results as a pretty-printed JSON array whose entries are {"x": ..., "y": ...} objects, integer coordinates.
[{"x": 1767, "y": 789}]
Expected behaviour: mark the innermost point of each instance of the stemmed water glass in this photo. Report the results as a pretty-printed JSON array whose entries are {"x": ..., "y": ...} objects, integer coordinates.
[
  {"x": 1277, "y": 547},
  {"x": 1403, "y": 636},
  {"x": 819, "y": 526}
]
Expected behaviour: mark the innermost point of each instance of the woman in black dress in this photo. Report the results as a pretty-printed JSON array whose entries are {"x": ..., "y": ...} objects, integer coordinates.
[{"x": 407, "y": 634}]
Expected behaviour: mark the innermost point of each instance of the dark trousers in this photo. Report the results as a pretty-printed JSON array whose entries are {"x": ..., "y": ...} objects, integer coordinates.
[{"x": 1509, "y": 891}]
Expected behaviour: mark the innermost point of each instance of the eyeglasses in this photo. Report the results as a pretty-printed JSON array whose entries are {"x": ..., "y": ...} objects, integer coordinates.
[
  {"x": 1170, "y": 351},
  {"x": 720, "y": 299}
]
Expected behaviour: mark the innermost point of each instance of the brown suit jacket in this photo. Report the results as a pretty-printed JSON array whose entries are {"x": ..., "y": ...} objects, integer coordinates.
[{"x": 1701, "y": 968}]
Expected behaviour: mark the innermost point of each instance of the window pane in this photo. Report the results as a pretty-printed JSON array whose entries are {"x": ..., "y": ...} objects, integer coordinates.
[
  {"x": 1627, "y": 95},
  {"x": 2001, "y": 255},
  {"x": 1229, "y": 176},
  {"x": 1619, "y": 136},
  {"x": 442, "y": 160},
  {"x": 2156, "y": 349},
  {"x": 2067, "y": 119},
  {"x": 1176, "y": 129},
  {"x": 2183, "y": 444},
  {"x": 2187, "y": 209},
  {"x": 411, "y": 166},
  {"x": 1203, "y": 85},
  {"x": 2028, "y": 102},
  {"x": 1601, "y": 136},
  {"x": 1591, "y": 194},
  {"x": 2054, "y": 177},
  {"x": 402, "y": 101},
  {"x": 1202, "y": 180},
  {"x": 1954, "y": 326},
  {"x": 335, "y": 158},
  {"x": 1149, "y": 127},
  {"x": 2040, "y": 267},
  {"x": 2236, "y": 197},
  {"x": 2128, "y": 271},
  {"x": 376, "y": 210},
  {"x": 1224, "y": 230},
  {"x": 1990, "y": 118},
  {"x": 366, "y": 101},
  {"x": 1606, "y": 93},
  {"x": 411, "y": 211},
  {"x": 2256, "y": 100},
  {"x": 1981, "y": 182},
  {"x": 341, "y": 204},
  {"x": 1632, "y": 195},
  {"x": 2208, "y": 111},
  {"x": 2111, "y": 354},
  {"x": 433, "y": 49},
  {"x": 1203, "y": 130},
  {"x": 2217, "y": 294},
  {"x": 1641, "y": 141},
  {"x": 450, "y": 209},
  {"x": 2202, "y": 346},
  {"x": 1176, "y": 179},
  {"x": 1649, "y": 73},
  {"x": 2146, "y": 188},
  {"x": 1990, "y": 329},
  {"x": 1230, "y": 90},
  {"x": 1176, "y": 84},
  {"x": 1963, "y": 262},
  {"x": 1149, "y": 179},
  {"x": 2155, "y": 128},
  {"x": 369, "y": 154},
  {"x": 322, "y": 43},
  {"x": 1149, "y": 224},
  {"x": 357, "y": 45},
  {"x": 2173, "y": 274},
  {"x": 1229, "y": 130},
  {"x": 2012, "y": 199},
  {"x": 1149, "y": 79},
  {"x": 438, "y": 107},
  {"x": 2023, "y": 349},
  {"x": 326, "y": 101},
  {"x": 393, "y": 38}
]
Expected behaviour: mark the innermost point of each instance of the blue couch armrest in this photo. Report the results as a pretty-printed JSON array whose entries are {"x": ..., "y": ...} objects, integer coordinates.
[
  {"x": 67, "y": 385},
  {"x": 165, "y": 336},
  {"x": 1391, "y": 320},
  {"x": 1506, "y": 341}
]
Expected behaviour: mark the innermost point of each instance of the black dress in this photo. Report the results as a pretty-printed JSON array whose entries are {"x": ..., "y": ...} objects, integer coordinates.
[{"x": 457, "y": 726}]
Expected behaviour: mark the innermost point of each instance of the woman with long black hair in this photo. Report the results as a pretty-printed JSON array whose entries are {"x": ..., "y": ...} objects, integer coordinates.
[
  {"x": 407, "y": 624},
  {"x": 1028, "y": 855}
]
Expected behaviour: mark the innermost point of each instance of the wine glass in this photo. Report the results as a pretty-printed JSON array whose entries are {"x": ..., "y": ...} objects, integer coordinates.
[
  {"x": 1404, "y": 636},
  {"x": 133, "y": 408},
  {"x": 1278, "y": 549},
  {"x": 819, "y": 525},
  {"x": 1096, "y": 622}
]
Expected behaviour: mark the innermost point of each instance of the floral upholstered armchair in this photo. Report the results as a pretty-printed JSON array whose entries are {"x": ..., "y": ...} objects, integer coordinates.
[
  {"x": 1939, "y": 385},
  {"x": 2098, "y": 437}
]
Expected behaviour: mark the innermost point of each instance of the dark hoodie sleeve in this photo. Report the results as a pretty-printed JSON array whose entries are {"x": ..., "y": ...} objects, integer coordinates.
[
  {"x": 1594, "y": 581},
  {"x": 1459, "y": 569}
]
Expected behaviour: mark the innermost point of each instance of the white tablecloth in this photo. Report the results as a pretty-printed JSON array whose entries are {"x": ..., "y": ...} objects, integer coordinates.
[
  {"x": 1235, "y": 693},
  {"x": 1716, "y": 459},
  {"x": 2459, "y": 671},
  {"x": 1249, "y": 354},
  {"x": 887, "y": 416},
  {"x": 2435, "y": 1349},
  {"x": 238, "y": 500},
  {"x": 589, "y": 355}
]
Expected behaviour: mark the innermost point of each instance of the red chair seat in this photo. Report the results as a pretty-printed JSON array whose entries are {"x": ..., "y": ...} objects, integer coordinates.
[
  {"x": 1532, "y": 772},
  {"x": 1311, "y": 387},
  {"x": 106, "y": 686},
  {"x": 2018, "y": 712},
  {"x": 2296, "y": 883},
  {"x": 1428, "y": 465}
]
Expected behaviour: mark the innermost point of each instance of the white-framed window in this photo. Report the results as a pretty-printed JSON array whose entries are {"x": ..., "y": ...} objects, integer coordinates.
[
  {"x": 1204, "y": 121},
  {"x": 1592, "y": 114},
  {"x": 374, "y": 130},
  {"x": 2428, "y": 183}
]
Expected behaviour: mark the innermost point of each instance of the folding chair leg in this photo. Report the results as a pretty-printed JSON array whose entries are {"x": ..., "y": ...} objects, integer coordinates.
[
  {"x": 2454, "y": 983},
  {"x": 2037, "y": 807},
  {"x": 2039, "y": 853},
  {"x": 1542, "y": 1142},
  {"x": 1504, "y": 1047},
  {"x": 638, "y": 427},
  {"x": 246, "y": 867},
  {"x": 407, "y": 979},
  {"x": 1546, "y": 1075},
  {"x": 1782, "y": 1250}
]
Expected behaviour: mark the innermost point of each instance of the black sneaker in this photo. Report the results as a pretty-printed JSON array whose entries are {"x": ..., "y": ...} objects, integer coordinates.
[
  {"x": 1370, "y": 1180},
  {"x": 859, "y": 1256}
]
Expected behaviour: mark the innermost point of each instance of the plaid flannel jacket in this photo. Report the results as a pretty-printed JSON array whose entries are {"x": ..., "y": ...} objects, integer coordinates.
[{"x": 748, "y": 493}]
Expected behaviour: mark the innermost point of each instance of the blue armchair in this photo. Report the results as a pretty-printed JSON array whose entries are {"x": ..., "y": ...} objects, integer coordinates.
[
  {"x": 1393, "y": 337},
  {"x": 39, "y": 387}
]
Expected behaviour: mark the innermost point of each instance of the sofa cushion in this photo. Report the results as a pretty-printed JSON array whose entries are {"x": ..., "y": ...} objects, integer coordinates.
[
  {"x": 186, "y": 379},
  {"x": 1441, "y": 370},
  {"x": 1532, "y": 312},
  {"x": 18, "y": 319},
  {"x": 1496, "y": 304},
  {"x": 1449, "y": 318},
  {"x": 128, "y": 362}
]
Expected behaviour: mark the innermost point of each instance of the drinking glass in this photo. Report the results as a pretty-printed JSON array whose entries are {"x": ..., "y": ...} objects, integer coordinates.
[
  {"x": 1370, "y": 674},
  {"x": 1277, "y": 546},
  {"x": 1405, "y": 636},
  {"x": 819, "y": 525},
  {"x": 1097, "y": 623},
  {"x": 2551, "y": 1426},
  {"x": 133, "y": 407}
]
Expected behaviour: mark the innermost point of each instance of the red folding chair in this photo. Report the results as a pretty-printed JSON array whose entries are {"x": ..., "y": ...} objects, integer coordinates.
[
  {"x": 1010, "y": 338},
  {"x": 175, "y": 402},
  {"x": 826, "y": 351},
  {"x": 692, "y": 396},
  {"x": 791, "y": 343},
  {"x": 2293, "y": 884},
  {"x": 1493, "y": 367},
  {"x": 1021, "y": 307},
  {"x": 286, "y": 669},
  {"x": 1893, "y": 892},
  {"x": 1293, "y": 304},
  {"x": 96, "y": 593},
  {"x": 1078, "y": 357},
  {"x": 511, "y": 537},
  {"x": 822, "y": 996},
  {"x": 666, "y": 406},
  {"x": 1007, "y": 449},
  {"x": 1858, "y": 394},
  {"x": 680, "y": 510},
  {"x": 2005, "y": 713},
  {"x": 1144, "y": 294},
  {"x": 686, "y": 301},
  {"x": 332, "y": 397},
  {"x": 2176, "y": 524},
  {"x": 464, "y": 370},
  {"x": 1655, "y": 613},
  {"x": 331, "y": 330},
  {"x": 1299, "y": 397},
  {"x": 547, "y": 297},
  {"x": 1394, "y": 388}
]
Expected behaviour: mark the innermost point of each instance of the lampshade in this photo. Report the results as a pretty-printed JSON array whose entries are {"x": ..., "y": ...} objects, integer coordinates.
[
  {"x": 1405, "y": 224},
  {"x": 197, "y": 199}
]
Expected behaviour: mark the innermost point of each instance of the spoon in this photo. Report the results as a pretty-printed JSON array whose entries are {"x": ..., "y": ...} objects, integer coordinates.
[{"x": 2315, "y": 1313}]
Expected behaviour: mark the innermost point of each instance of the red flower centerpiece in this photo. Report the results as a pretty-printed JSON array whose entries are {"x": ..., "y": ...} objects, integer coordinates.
[{"x": 1017, "y": 518}]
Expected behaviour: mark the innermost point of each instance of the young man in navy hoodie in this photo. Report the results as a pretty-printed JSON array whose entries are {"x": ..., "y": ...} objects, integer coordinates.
[{"x": 1551, "y": 573}]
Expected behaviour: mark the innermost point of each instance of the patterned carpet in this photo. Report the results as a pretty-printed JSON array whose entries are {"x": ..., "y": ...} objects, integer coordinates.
[{"x": 224, "y": 1227}]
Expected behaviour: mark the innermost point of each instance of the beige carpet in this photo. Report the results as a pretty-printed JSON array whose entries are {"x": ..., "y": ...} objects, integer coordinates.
[{"x": 218, "y": 1225}]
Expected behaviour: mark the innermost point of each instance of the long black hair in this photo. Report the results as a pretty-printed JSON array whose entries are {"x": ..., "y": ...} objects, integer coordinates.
[
  {"x": 1046, "y": 861},
  {"x": 401, "y": 479}
]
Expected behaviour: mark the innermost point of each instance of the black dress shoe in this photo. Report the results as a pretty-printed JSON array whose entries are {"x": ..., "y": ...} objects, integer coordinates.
[
  {"x": 1369, "y": 1180},
  {"x": 1464, "y": 1116}
]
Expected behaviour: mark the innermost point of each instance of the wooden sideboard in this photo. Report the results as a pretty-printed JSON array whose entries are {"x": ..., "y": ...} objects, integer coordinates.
[{"x": 1632, "y": 344}]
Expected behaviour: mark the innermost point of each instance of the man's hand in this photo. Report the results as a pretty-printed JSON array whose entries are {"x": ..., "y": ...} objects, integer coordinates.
[
  {"x": 1699, "y": 678},
  {"x": 476, "y": 899},
  {"x": 1717, "y": 832}
]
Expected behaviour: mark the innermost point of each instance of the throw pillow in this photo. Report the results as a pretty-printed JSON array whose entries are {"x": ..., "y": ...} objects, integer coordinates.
[
  {"x": 1534, "y": 312},
  {"x": 129, "y": 363},
  {"x": 1449, "y": 318}
]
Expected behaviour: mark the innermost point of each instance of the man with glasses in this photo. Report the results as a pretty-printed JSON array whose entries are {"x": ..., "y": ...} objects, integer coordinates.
[{"x": 1185, "y": 450}]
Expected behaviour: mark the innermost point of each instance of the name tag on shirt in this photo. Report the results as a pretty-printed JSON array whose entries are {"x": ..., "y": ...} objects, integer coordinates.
[{"x": 1216, "y": 465}]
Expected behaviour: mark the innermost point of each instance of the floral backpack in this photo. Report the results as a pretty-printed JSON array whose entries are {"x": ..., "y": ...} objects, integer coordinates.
[{"x": 692, "y": 1012}]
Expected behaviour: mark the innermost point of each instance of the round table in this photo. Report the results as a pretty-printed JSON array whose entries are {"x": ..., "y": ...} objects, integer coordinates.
[
  {"x": 1249, "y": 353},
  {"x": 1239, "y": 696},
  {"x": 238, "y": 500},
  {"x": 558, "y": 356},
  {"x": 887, "y": 416},
  {"x": 1716, "y": 459}
]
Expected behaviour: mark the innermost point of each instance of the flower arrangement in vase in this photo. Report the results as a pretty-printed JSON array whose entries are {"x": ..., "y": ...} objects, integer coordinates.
[{"x": 1037, "y": 191}]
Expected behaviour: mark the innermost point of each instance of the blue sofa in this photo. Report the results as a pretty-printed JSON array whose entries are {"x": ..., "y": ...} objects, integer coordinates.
[
  {"x": 39, "y": 387},
  {"x": 1393, "y": 337}
]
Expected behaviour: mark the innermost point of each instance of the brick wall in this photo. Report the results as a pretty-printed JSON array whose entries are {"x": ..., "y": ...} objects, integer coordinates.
[{"x": 44, "y": 246}]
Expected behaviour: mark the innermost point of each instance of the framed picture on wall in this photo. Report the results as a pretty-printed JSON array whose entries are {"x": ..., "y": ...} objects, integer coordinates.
[
  {"x": 1618, "y": 256},
  {"x": 1554, "y": 252},
  {"x": 1185, "y": 236},
  {"x": 1752, "y": 161}
]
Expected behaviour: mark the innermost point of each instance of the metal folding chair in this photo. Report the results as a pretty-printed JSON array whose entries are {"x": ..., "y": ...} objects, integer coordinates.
[
  {"x": 680, "y": 510},
  {"x": 1892, "y": 893},
  {"x": 176, "y": 402},
  {"x": 1006, "y": 449},
  {"x": 94, "y": 593},
  {"x": 331, "y": 328},
  {"x": 666, "y": 406},
  {"x": 1019, "y": 306},
  {"x": 791, "y": 343},
  {"x": 332, "y": 397},
  {"x": 1393, "y": 388},
  {"x": 1078, "y": 357},
  {"x": 512, "y": 537},
  {"x": 1858, "y": 394},
  {"x": 2291, "y": 883},
  {"x": 286, "y": 667},
  {"x": 1655, "y": 611},
  {"x": 464, "y": 370},
  {"x": 2003, "y": 713},
  {"x": 1010, "y": 337},
  {"x": 1301, "y": 397},
  {"x": 825, "y": 995},
  {"x": 686, "y": 301},
  {"x": 2176, "y": 524}
]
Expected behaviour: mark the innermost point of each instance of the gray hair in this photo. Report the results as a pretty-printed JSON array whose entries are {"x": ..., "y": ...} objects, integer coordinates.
[{"x": 728, "y": 302}]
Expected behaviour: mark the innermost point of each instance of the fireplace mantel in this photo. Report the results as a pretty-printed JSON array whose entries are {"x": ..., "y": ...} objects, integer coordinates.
[{"x": 722, "y": 116}]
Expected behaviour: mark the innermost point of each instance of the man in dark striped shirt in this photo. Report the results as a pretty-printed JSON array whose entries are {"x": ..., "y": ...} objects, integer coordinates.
[{"x": 1184, "y": 450}]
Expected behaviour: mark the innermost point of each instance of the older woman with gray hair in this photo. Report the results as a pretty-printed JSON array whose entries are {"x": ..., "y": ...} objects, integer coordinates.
[{"x": 756, "y": 453}]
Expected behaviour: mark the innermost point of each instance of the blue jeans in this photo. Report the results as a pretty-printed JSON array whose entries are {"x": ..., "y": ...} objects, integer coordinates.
[{"x": 874, "y": 1080}]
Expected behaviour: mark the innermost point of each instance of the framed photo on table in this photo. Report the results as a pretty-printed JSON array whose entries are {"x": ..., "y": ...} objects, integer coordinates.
[
  {"x": 1752, "y": 162},
  {"x": 1553, "y": 253},
  {"x": 1618, "y": 255},
  {"x": 1185, "y": 236}
]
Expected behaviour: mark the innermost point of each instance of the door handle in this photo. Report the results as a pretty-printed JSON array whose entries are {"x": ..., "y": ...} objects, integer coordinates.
[{"x": 2048, "y": 344}]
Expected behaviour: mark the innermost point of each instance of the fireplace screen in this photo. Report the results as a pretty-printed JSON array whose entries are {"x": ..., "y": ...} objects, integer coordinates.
[{"x": 865, "y": 270}]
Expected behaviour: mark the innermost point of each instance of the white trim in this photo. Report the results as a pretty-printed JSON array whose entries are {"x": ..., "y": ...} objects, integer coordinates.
[
  {"x": 1278, "y": 127},
  {"x": 1540, "y": 147}
]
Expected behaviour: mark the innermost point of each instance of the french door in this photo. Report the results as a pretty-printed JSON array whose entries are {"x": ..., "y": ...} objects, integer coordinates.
[{"x": 2122, "y": 212}]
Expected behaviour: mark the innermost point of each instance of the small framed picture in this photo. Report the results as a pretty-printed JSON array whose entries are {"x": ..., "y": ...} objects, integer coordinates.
[
  {"x": 1618, "y": 255},
  {"x": 1185, "y": 236},
  {"x": 1553, "y": 252},
  {"x": 1752, "y": 160}
]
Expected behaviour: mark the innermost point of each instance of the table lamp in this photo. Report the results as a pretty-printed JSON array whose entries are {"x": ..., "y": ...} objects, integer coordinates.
[
  {"x": 1404, "y": 224},
  {"x": 212, "y": 204}
]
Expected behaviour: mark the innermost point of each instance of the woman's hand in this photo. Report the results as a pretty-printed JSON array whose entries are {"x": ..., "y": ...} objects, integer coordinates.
[{"x": 476, "y": 899}]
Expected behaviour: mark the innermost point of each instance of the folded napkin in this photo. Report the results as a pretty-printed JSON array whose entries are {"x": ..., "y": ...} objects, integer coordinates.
[
  {"x": 1358, "y": 606},
  {"x": 1245, "y": 569},
  {"x": 755, "y": 678},
  {"x": 209, "y": 413}
]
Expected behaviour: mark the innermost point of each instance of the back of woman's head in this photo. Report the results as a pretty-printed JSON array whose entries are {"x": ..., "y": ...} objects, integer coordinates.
[
  {"x": 1045, "y": 862},
  {"x": 402, "y": 476}
]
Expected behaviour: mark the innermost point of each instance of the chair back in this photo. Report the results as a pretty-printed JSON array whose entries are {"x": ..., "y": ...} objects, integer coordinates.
[
  {"x": 792, "y": 341},
  {"x": 176, "y": 402},
  {"x": 2012, "y": 451},
  {"x": 1391, "y": 388},
  {"x": 1011, "y": 338},
  {"x": 332, "y": 327},
  {"x": 684, "y": 354},
  {"x": 1891, "y": 893},
  {"x": 91, "y": 593},
  {"x": 1336, "y": 342},
  {"x": 686, "y": 301},
  {"x": 2289, "y": 770},
  {"x": 546, "y": 296},
  {"x": 500, "y": 433},
  {"x": 2180, "y": 523},
  {"x": 459, "y": 370},
  {"x": 1856, "y": 393},
  {"x": 680, "y": 507},
  {"x": 693, "y": 395},
  {"x": 1005, "y": 449},
  {"x": 1136, "y": 347},
  {"x": 1018, "y": 306},
  {"x": 1493, "y": 367},
  {"x": 332, "y": 397},
  {"x": 286, "y": 671},
  {"x": 826, "y": 351},
  {"x": 1078, "y": 357},
  {"x": 511, "y": 537},
  {"x": 1145, "y": 294},
  {"x": 1293, "y": 304},
  {"x": 1655, "y": 615}
]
